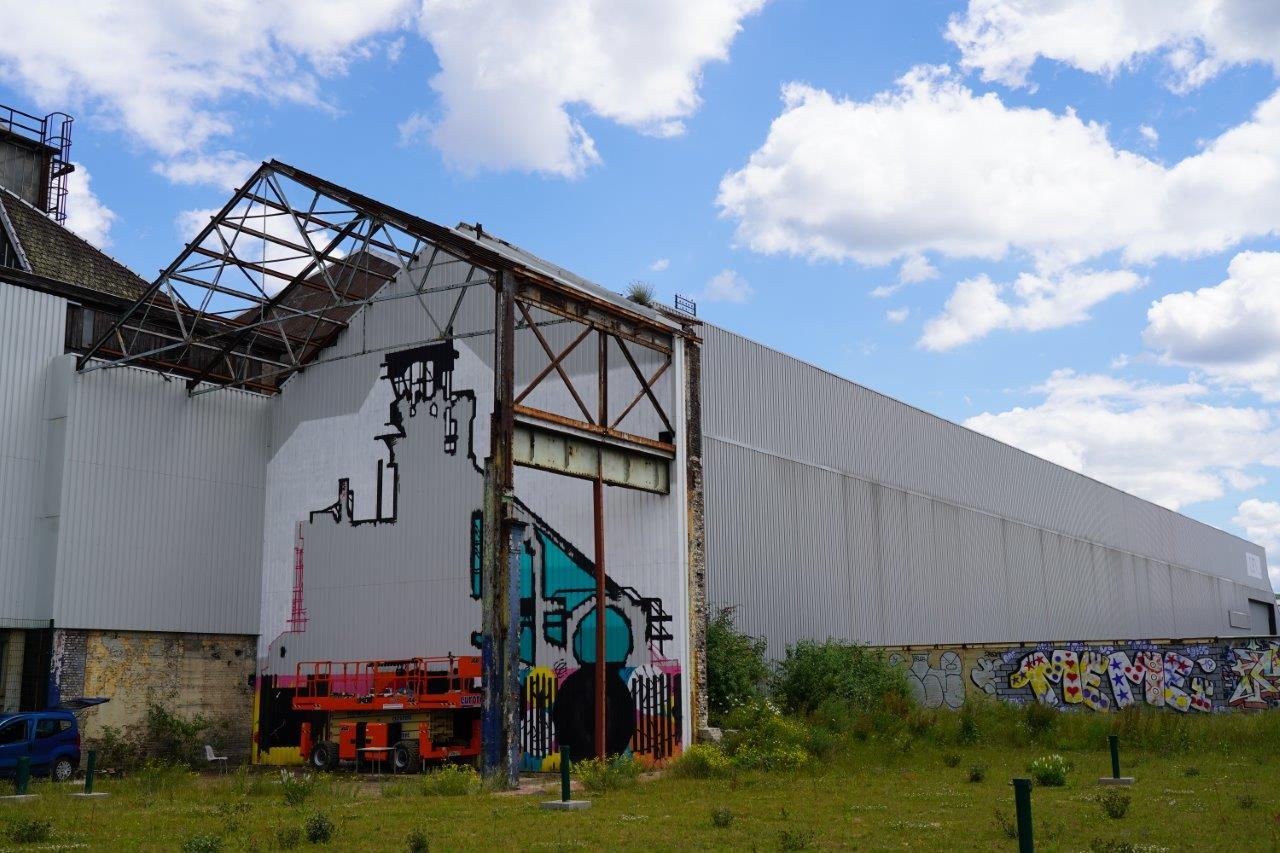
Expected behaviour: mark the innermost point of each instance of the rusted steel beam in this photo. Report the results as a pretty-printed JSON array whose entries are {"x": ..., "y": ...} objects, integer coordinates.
[
  {"x": 626, "y": 353},
  {"x": 561, "y": 420},
  {"x": 640, "y": 396},
  {"x": 546, "y": 371},
  {"x": 568, "y": 383}
]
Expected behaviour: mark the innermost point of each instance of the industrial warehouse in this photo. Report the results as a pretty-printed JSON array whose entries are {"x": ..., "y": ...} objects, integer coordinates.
[{"x": 338, "y": 459}]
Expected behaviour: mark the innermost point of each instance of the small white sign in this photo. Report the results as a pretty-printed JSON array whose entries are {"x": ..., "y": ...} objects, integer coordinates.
[{"x": 1254, "y": 564}]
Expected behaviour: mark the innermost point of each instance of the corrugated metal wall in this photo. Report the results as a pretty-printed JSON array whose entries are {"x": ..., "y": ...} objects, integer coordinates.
[
  {"x": 31, "y": 332},
  {"x": 834, "y": 510}
]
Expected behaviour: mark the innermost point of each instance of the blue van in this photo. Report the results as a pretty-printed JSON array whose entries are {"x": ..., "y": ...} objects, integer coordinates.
[{"x": 51, "y": 739}]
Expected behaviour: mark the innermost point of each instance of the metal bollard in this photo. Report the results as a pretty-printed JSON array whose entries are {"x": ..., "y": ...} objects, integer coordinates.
[
  {"x": 564, "y": 774},
  {"x": 88, "y": 771},
  {"x": 1114, "y": 741},
  {"x": 1022, "y": 805},
  {"x": 23, "y": 777}
]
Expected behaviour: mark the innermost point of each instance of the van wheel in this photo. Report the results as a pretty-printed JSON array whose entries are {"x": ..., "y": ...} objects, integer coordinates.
[
  {"x": 62, "y": 770},
  {"x": 406, "y": 759},
  {"x": 324, "y": 755}
]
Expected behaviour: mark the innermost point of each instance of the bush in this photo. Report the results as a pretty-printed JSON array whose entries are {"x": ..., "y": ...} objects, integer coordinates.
[
  {"x": 1247, "y": 802},
  {"x": 29, "y": 830},
  {"x": 759, "y": 738},
  {"x": 950, "y": 759},
  {"x": 736, "y": 668},
  {"x": 702, "y": 761},
  {"x": 1039, "y": 720},
  {"x": 172, "y": 737},
  {"x": 1049, "y": 770},
  {"x": 202, "y": 843},
  {"x": 1114, "y": 803},
  {"x": 857, "y": 676},
  {"x": 452, "y": 780},
  {"x": 721, "y": 817},
  {"x": 794, "y": 839},
  {"x": 296, "y": 788},
  {"x": 288, "y": 837},
  {"x": 598, "y": 775},
  {"x": 969, "y": 732},
  {"x": 977, "y": 773},
  {"x": 318, "y": 828},
  {"x": 417, "y": 842},
  {"x": 1192, "y": 771}
]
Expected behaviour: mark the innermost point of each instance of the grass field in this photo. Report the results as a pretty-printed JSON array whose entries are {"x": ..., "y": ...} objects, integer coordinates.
[{"x": 877, "y": 797}]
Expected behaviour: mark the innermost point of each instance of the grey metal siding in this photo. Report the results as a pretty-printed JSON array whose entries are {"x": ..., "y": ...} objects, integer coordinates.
[{"x": 834, "y": 510}]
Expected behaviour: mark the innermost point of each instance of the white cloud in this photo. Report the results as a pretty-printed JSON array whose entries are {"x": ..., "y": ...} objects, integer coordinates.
[
  {"x": 897, "y": 315},
  {"x": 189, "y": 222},
  {"x": 1149, "y": 135},
  {"x": 1261, "y": 522},
  {"x": 86, "y": 215},
  {"x": 1160, "y": 442},
  {"x": 225, "y": 169},
  {"x": 516, "y": 76},
  {"x": 1231, "y": 331},
  {"x": 660, "y": 264},
  {"x": 979, "y": 306},
  {"x": 170, "y": 73},
  {"x": 914, "y": 269},
  {"x": 1195, "y": 39},
  {"x": 933, "y": 166},
  {"x": 727, "y": 286}
]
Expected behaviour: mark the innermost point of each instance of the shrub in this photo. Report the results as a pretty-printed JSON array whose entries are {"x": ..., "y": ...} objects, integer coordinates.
[
  {"x": 736, "y": 668},
  {"x": 762, "y": 739},
  {"x": 417, "y": 842},
  {"x": 858, "y": 676},
  {"x": 116, "y": 751},
  {"x": 950, "y": 759},
  {"x": 288, "y": 837},
  {"x": 702, "y": 761},
  {"x": 1247, "y": 801},
  {"x": 977, "y": 773},
  {"x": 296, "y": 788},
  {"x": 318, "y": 828},
  {"x": 598, "y": 775},
  {"x": 1115, "y": 804},
  {"x": 202, "y": 843},
  {"x": 29, "y": 830},
  {"x": 721, "y": 817},
  {"x": 1107, "y": 845},
  {"x": 172, "y": 737},
  {"x": 794, "y": 839},
  {"x": 1039, "y": 720},
  {"x": 1049, "y": 770},
  {"x": 969, "y": 732},
  {"x": 452, "y": 780},
  {"x": 1192, "y": 771}
]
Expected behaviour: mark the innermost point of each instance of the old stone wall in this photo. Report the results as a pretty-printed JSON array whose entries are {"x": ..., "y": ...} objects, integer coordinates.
[
  {"x": 188, "y": 674},
  {"x": 1187, "y": 676}
]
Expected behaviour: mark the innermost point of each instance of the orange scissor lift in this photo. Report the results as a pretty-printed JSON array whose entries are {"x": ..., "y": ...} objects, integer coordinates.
[{"x": 398, "y": 711}]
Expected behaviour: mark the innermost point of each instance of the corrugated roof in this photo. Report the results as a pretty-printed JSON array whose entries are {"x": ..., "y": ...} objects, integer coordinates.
[{"x": 54, "y": 252}]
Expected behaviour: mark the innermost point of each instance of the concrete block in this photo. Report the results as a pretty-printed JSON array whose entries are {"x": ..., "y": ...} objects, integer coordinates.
[
  {"x": 95, "y": 795},
  {"x": 565, "y": 805},
  {"x": 18, "y": 798}
]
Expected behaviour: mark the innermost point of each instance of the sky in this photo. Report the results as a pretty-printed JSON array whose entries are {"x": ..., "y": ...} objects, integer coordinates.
[{"x": 1054, "y": 221}]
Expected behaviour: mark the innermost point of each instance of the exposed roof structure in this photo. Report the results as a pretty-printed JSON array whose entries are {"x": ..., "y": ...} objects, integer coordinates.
[
  {"x": 274, "y": 277},
  {"x": 48, "y": 250}
]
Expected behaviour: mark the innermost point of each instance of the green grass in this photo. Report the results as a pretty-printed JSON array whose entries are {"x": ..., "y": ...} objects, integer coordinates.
[{"x": 877, "y": 796}]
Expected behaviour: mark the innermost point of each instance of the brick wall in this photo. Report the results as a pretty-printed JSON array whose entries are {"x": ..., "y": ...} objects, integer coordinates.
[
  {"x": 207, "y": 674},
  {"x": 1187, "y": 676}
]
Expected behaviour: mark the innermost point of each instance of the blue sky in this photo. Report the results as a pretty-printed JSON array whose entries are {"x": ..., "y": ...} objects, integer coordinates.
[{"x": 1119, "y": 157}]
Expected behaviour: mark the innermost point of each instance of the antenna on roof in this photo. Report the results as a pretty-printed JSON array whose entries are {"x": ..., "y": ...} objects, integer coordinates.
[{"x": 479, "y": 231}]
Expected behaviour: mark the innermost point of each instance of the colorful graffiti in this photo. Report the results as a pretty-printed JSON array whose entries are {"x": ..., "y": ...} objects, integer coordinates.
[{"x": 1201, "y": 677}]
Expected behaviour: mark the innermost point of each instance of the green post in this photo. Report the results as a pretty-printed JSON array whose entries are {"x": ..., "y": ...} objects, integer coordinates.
[
  {"x": 1022, "y": 805},
  {"x": 24, "y": 775},
  {"x": 1114, "y": 741},
  {"x": 564, "y": 774},
  {"x": 88, "y": 771}
]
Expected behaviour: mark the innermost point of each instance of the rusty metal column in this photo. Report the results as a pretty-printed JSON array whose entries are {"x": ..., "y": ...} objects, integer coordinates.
[
  {"x": 597, "y": 495},
  {"x": 495, "y": 570}
]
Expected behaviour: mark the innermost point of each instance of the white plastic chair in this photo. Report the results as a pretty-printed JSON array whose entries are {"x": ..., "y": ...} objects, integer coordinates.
[{"x": 213, "y": 757}]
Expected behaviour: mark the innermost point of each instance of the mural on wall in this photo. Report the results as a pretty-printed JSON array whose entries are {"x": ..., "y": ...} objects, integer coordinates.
[
  {"x": 557, "y": 606},
  {"x": 557, "y": 650},
  {"x": 1203, "y": 677}
]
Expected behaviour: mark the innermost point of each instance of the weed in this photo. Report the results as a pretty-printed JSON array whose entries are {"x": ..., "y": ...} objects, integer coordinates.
[
  {"x": 202, "y": 843},
  {"x": 1005, "y": 824},
  {"x": 640, "y": 292},
  {"x": 969, "y": 732},
  {"x": 318, "y": 828},
  {"x": 1115, "y": 803},
  {"x": 860, "y": 677},
  {"x": 1039, "y": 720},
  {"x": 721, "y": 817},
  {"x": 794, "y": 839},
  {"x": 599, "y": 775},
  {"x": 296, "y": 788},
  {"x": 977, "y": 772},
  {"x": 736, "y": 667},
  {"x": 156, "y": 779},
  {"x": 702, "y": 761},
  {"x": 288, "y": 837},
  {"x": 173, "y": 737},
  {"x": 1190, "y": 771},
  {"x": 1247, "y": 802},
  {"x": 1107, "y": 845},
  {"x": 29, "y": 830},
  {"x": 417, "y": 842},
  {"x": 1049, "y": 770},
  {"x": 240, "y": 781},
  {"x": 951, "y": 759},
  {"x": 452, "y": 780}
]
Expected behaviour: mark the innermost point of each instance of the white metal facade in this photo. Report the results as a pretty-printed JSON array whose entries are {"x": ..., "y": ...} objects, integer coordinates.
[{"x": 832, "y": 510}]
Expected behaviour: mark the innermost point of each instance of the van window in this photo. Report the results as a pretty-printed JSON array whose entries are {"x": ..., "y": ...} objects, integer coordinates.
[
  {"x": 49, "y": 728},
  {"x": 15, "y": 732}
]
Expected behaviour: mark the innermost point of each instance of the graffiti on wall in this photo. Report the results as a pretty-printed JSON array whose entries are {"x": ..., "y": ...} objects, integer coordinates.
[{"x": 1103, "y": 677}]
